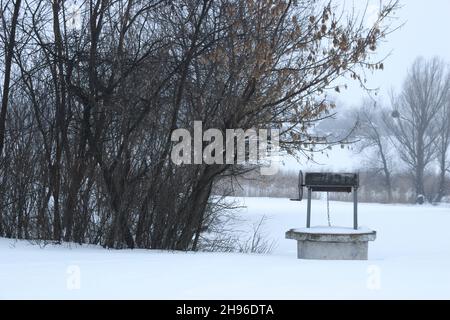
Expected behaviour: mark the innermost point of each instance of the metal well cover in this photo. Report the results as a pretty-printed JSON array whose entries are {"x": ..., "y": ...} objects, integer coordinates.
[{"x": 331, "y": 179}]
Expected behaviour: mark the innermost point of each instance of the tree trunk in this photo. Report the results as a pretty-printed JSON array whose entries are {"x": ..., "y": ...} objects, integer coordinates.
[
  {"x": 387, "y": 174},
  {"x": 7, "y": 78},
  {"x": 442, "y": 187},
  {"x": 6, "y": 82},
  {"x": 420, "y": 166}
]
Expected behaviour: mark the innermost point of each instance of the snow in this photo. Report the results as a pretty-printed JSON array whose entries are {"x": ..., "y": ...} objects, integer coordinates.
[
  {"x": 343, "y": 160},
  {"x": 333, "y": 230},
  {"x": 410, "y": 259}
]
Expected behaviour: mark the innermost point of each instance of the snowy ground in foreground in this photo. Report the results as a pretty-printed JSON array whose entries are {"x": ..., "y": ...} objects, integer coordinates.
[{"x": 410, "y": 259}]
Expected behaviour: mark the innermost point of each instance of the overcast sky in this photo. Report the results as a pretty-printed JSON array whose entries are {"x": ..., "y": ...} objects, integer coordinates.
[{"x": 426, "y": 33}]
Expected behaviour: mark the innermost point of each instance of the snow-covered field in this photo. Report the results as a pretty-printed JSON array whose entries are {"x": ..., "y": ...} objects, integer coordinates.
[{"x": 410, "y": 259}]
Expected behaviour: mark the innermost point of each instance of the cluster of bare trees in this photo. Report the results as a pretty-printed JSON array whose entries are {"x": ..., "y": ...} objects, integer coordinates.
[
  {"x": 92, "y": 90},
  {"x": 416, "y": 129}
]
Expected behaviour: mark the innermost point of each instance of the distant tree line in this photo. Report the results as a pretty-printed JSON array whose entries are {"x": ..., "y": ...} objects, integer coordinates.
[
  {"x": 92, "y": 90},
  {"x": 372, "y": 186}
]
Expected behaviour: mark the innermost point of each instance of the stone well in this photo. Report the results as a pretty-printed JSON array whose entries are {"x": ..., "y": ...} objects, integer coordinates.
[{"x": 332, "y": 243}]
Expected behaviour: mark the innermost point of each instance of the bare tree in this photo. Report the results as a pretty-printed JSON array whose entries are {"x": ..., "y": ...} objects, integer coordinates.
[
  {"x": 372, "y": 134},
  {"x": 9, "y": 43},
  {"x": 100, "y": 100},
  {"x": 442, "y": 146},
  {"x": 413, "y": 122}
]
